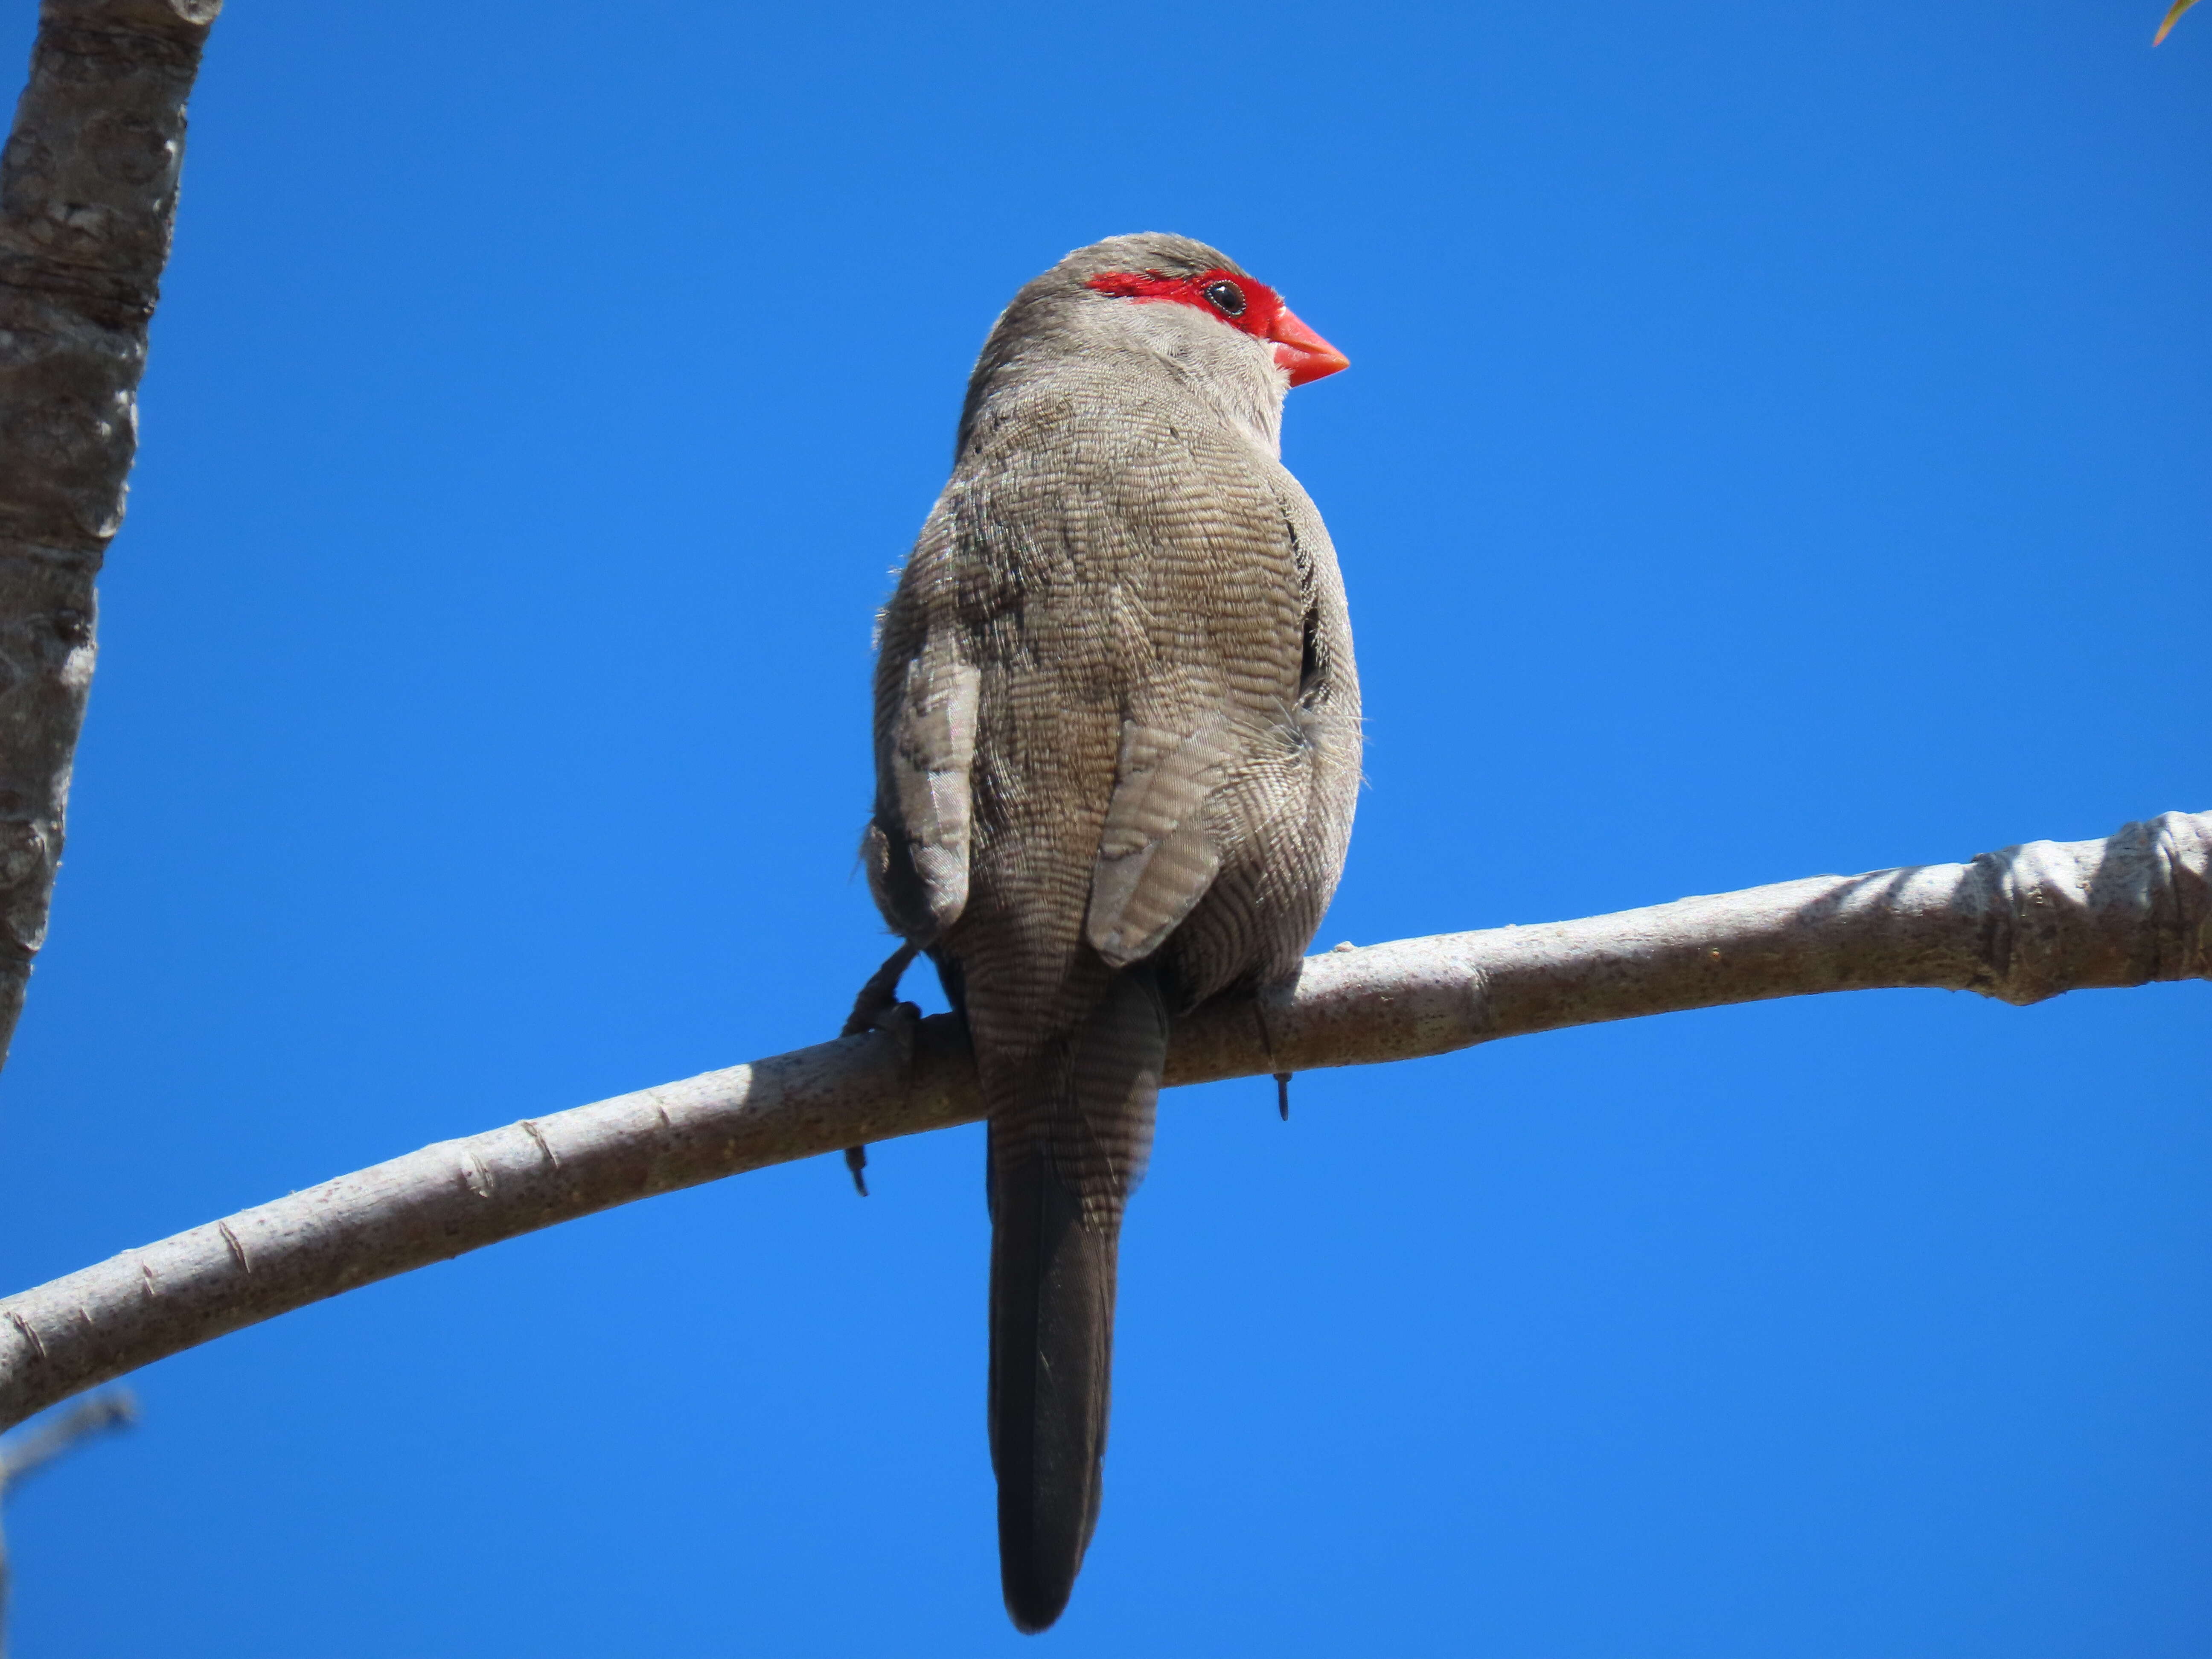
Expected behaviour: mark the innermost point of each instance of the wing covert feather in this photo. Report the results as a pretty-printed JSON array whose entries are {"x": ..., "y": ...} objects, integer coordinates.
[
  {"x": 925, "y": 763},
  {"x": 1156, "y": 856}
]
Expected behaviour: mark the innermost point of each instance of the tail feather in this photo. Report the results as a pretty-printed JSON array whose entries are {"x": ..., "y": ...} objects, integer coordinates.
[{"x": 1063, "y": 1164}]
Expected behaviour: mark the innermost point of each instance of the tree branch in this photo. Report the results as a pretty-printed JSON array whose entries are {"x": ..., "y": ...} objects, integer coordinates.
[
  {"x": 2021, "y": 925},
  {"x": 88, "y": 195}
]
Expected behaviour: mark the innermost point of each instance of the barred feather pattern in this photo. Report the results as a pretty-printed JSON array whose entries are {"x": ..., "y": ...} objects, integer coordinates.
[{"x": 1117, "y": 741}]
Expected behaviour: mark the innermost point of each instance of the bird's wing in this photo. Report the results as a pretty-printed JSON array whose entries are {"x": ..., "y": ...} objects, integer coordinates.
[
  {"x": 1157, "y": 857},
  {"x": 917, "y": 845},
  {"x": 1214, "y": 701}
]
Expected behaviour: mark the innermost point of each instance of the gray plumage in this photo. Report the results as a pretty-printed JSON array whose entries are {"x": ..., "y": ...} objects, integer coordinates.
[{"x": 1117, "y": 743}]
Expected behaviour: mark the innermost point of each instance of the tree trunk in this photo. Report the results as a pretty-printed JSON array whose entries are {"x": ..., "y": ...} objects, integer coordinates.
[{"x": 88, "y": 195}]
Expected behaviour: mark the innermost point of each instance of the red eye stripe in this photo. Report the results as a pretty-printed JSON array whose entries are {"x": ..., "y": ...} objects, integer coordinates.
[{"x": 1261, "y": 304}]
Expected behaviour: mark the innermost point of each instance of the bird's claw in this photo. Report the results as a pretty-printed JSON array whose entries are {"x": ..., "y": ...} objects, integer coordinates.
[
  {"x": 878, "y": 1009},
  {"x": 880, "y": 994}
]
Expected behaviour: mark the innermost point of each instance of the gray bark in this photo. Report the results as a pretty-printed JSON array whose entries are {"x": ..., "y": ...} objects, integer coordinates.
[
  {"x": 88, "y": 195},
  {"x": 2020, "y": 926}
]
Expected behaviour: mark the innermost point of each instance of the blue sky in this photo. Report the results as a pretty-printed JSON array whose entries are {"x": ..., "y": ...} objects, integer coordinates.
[{"x": 1775, "y": 445}]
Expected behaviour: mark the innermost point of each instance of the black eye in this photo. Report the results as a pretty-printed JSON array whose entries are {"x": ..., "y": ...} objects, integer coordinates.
[{"x": 1227, "y": 297}]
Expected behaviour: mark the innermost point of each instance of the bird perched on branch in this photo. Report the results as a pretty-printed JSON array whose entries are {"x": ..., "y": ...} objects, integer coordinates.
[{"x": 1117, "y": 743}]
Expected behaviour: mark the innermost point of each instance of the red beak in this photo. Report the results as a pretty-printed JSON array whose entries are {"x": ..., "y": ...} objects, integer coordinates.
[{"x": 1301, "y": 351}]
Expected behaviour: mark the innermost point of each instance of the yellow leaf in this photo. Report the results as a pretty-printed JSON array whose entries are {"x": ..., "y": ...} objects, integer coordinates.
[{"x": 2180, "y": 6}]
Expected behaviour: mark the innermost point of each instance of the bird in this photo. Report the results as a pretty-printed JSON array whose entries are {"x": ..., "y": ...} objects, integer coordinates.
[{"x": 1117, "y": 748}]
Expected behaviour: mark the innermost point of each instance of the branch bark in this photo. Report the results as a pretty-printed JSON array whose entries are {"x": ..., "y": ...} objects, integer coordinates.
[
  {"x": 2020, "y": 926},
  {"x": 88, "y": 197}
]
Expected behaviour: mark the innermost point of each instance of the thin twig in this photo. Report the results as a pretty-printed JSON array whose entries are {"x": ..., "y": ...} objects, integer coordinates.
[
  {"x": 29, "y": 1453},
  {"x": 33, "y": 1449}
]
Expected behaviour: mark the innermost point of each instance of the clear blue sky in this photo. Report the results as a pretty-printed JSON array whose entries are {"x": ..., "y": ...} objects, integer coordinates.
[{"x": 1776, "y": 444}]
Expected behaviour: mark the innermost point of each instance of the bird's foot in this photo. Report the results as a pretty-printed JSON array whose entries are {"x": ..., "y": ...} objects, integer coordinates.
[
  {"x": 878, "y": 1009},
  {"x": 880, "y": 994},
  {"x": 902, "y": 1020}
]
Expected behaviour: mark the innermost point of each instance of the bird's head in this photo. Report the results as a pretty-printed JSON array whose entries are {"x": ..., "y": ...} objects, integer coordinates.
[
  {"x": 1173, "y": 270},
  {"x": 1152, "y": 303}
]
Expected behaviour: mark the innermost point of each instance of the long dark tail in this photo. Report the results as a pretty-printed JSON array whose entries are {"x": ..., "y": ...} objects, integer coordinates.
[{"x": 1063, "y": 1164}]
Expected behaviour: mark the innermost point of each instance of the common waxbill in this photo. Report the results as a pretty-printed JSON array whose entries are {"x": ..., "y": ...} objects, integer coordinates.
[{"x": 1117, "y": 743}]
